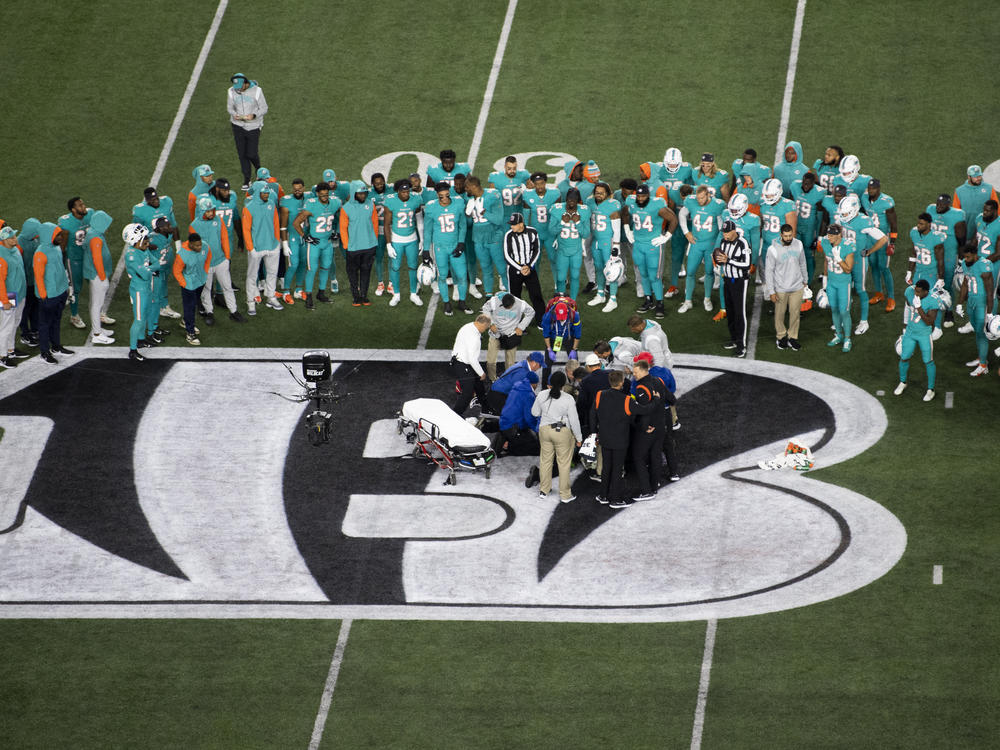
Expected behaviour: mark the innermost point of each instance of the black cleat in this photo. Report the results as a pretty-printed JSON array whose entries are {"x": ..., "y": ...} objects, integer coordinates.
[
  {"x": 782, "y": 343},
  {"x": 144, "y": 344},
  {"x": 646, "y": 306},
  {"x": 310, "y": 305},
  {"x": 463, "y": 307},
  {"x": 591, "y": 286},
  {"x": 660, "y": 312},
  {"x": 237, "y": 317},
  {"x": 161, "y": 333},
  {"x": 8, "y": 362},
  {"x": 447, "y": 309},
  {"x": 532, "y": 479},
  {"x": 133, "y": 354},
  {"x": 209, "y": 319},
  {"x": 794, "y": 345},
  {"x": 322, "y": 296},
  {"x": 18, "y": 354},
  {"x": 624, "y": 503}
]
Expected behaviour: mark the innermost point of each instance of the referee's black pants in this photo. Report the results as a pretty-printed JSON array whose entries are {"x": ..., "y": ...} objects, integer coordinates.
[
  {"x": 646, "y": 447},
  {"x": 516, "y": 282},
  {"x": 670, "y": 449},
  {"x": 736, "y": 311},
  {"x": 612, "y": 467},
  {"x": 247, "y": 142},
  {"x": 470, "y": 383}
]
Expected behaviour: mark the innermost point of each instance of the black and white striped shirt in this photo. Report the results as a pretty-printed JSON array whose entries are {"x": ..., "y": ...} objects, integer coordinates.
[
  {"x": 521, "y": 248},
  {"x": 738, "y": 252}
]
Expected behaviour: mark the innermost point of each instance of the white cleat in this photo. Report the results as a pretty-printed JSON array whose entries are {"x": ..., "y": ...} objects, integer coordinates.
[
  {"x": 929, "y": 395},
  {"x": 395, "y": 300},
  {"x": 708, "y": 304},
  {"x": 936, "y": 334},
  {"x": 701, "y": 279},
  {"x": 106, "y": 332},
  {"x": 899, "y": 389},
  {"x": 967, "y": 328},
  {"x": 105, "y": 320},
  {"x": 77, "y": 321},
  {"x": 167, "y": 312},
  {"x": 996, "y": 351},
  {"x": 599, "y": 299},
  {"x": 100, "y": 338},
  {"x": 715, "y": 282},
  {"x": 972, "y": 362},
  {"x": 612, "y": 305},
  {"x": 473, "y": 292},
  {"x": 862, "y": 328},
  {"x": 980, "y": 370},
  {"x": 416, "y": 299},
  {"x": 685, "y": 306}
]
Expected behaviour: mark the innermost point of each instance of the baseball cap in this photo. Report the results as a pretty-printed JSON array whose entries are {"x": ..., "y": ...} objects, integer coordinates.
[
  {"x": 202, "y": 170},
  {"x": 516, "y": 218},
  {"x": 944, "y": 197},
  {"x": 536, "y": 357},
  {"x": 728, "y": 226},
  {"x": 708, "y": 156},
  {"x": 874, "y": 182},
  {"x": 7, "y": 232},
  {"x": 263, "y": 173},
  {"x": 329, "y": 176},
  {"x": 150, "y": 192},
  {"x": 592, "y": 360},
  {"x": 974, "y": 171},
  {"x": 222, "y": 183},
  {"x": 643, "y": 189},
  {"x": 562, "y": 312},
  {"x": 833, "y": 229},
  {"x": 237, "y": 79}
]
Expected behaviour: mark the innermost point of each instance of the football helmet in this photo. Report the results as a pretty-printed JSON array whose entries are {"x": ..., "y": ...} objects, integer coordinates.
[
  {"x": 822, "y": 300},
  {"x": 807, "y": 294},
  {"x": 205, "y": 203},
  {"x": 588, "y": 452},
  {"x": 850, "y": 168},
  {"x": 772, "y": 191},
  {"x": 614, "y": 270},
  {"x": 959, "y": 278},
  {"x": 899, "y": 346},
  {"x": 993, "y": 327},
  {"x": 943, "y": 298},
  {"x": 738, "y": 205},
  {"x": 849, "y": 207},
  {"x": 134, "y": 233},
  {"x": 672, "y": 159},
  {"x": 426, "y": 274}
]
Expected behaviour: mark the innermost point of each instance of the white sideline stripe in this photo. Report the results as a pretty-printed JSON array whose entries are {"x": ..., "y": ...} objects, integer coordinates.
[
  {"x": 706, "y": 670},
  {"x": 949, "y": 399},
  {"x": 171, "y": 136},
  {"x": 331, "y": 683},
  {"x": 938, "y": 576},
  {"x": 477, "y": 139}
]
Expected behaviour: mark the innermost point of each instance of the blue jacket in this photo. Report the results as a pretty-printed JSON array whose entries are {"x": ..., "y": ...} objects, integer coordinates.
[
  {"x": 517, "y": 409},
  {"x": 568, "y": 329},
  {"x": 512, "y": 375}
]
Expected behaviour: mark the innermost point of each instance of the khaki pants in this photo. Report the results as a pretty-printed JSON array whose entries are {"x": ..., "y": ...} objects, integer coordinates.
[
  {"x": 791, "y": 301},
  {"x": 492, "y": 352},
  {"x": 558, "y": 444}
]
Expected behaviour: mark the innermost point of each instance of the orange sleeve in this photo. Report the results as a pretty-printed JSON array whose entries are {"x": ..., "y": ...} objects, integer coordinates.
[
  {"x": 179, "y": 270},
  {"x": 224, "y": 237},
  {"x": 661, "y": 192},
  {"x": 597, "y": 399},
  {"x": 96, "y": 247},
  {"x": 4, "y": 299},
  {"x": 375, "y": 220},
  {"x": 343, "y": 228},
  {"x": 956, "y": 201},
  {"x": 38, "y": 264},
  {"x": 247, "y": 231},
  {"x": 208, "y": 259},
  {"x": 993, "y": 196},
  {"x": 192, "y": 204},
  {"x": 277, "y": 226},
  {"x": 628, "y": 406}
]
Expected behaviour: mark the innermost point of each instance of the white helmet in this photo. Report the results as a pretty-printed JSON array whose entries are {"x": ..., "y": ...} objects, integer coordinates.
[
  {"x": 899, "y": 346},
  {"x": 848, "y": 207},
  {"x": 850, "y": 168},
  {"x": 807, "y": 293},
  {"x": 134, "y": 233},
  {"x": 772, "y": 191},
  {"x": 993, "y": 327},
  {"x": 614, "y": 270},
  {"x": 957, "y": 281},
  {"x": 588, "y": 452},
  {"x": 822, "y": 300},
  {"x": 943, "y": 298},
  {"x": 426, "y": 274},
  {"x": 738, "y": 205},
  {"x": 672, "y": 159}
]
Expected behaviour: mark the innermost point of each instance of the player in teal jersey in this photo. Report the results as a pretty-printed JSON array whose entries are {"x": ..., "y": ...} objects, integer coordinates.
[
  {"x": 977, "y": 290},
  {"x": 204, "y": 180},
  {"x": 444, "y": 237},
  {"x": 97, "y": 268},
  {"x": 839, "y": 256},
  {"x": 214, "y": 236},
  {"x": 339, "y": 190},
  {"x": 715, "y": 179},
  {"x": 426, "y": 195},
  {"x": 605, "y": 230},
  {"x": 626, "y": 188},
  {"x": 828, "y": 208},
  {"x": 485, "y": 210},
  {"x": 675, "y": 174},
  {"x": 808, "y": 197},
  {"x": 316, "y": 224},
  {"x": 927, "y": 259},
  {"x": 951, "y": 223},
  {"x": 161, "y": 260},
  {"x": 459, "y": 192},
  {"x": 748, "y": 227},
  {"x": 705, "y": 214},
  {"x": 511, "y": 183},
  {"x": 569, "y": 225},
  {"x": 446, "y": 169},
  {"x": 581, "y": 176},
  {"x": 849, "y": 175},
  {"x": 987, "y": 237},
  {"x": 140, "y": 276},
  {"x": 378, "y": 194},
  {"x": 292, "y": 246},
  {"x": 649, "y": 224},
  {"x": 75, "y": 224},
  {"x": 537, "y": 205},
  {"x": 867, "y": 239},
  {"x": 146, "y": 213},
  {"x": 775, "y": 210},
  {"x": 828, "y": 168},
  {"x": 971, "y": 197},
  {"x": 882, "y": 210},
  {"x": 918, "y": 319},
  {"x": 748, "y": 177},
  {"x": 402, "y": 226},
  {"x": 791, "y": 169}
]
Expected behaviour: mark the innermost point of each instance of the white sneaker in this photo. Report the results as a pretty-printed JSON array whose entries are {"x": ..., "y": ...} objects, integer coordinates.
[
  {"x": 929, "y": 395},
  {"x": 100, "y": 338},
  {"x": 167, "y": 312},
  {"x": 454, "y": 293},
  {"x": 899, "y": 389},
  {"x": 612, "y": 305},
  {"x": 862, "y": 328},
  {"x": 996, "y": 351},
  {"x": 685, "y": 306},
  {"x": 416, "y": 299},
  {"x": 598, "y": 300},
  {"x": 967, "y": 328},
  {"x": 106, "y": 332},
  {"x": 980, "y": 370},
  {"x": 475, "y": 292},
  {"x": 501, "y": 286},
  {"x": 972, "y": 362},
  {"x": 668, "y": 294},
  {"x": 274, "y": 304},
  {"x": 395, "y": 300},
  {"x": 105, "y": 320},
  {"x": 77, "y": 321},
  {"x": 708, "y": 304},
  {"x": 936, "y": 334},
  {"x": 638, "y": 289},
  {"x": 948, "y": 324}
]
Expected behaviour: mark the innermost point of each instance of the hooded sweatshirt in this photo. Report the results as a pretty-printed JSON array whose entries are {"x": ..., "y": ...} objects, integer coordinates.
[
  {"x": 516, "y": 410},
  {"x": 260, "y": 220},
  {"x": 13, "y": 282},
  {"x": 790, "y": 171},
  {"x": 249, "y": 102},
  {"x": 97, "y": 255},
  {"x": 358, "y": 221},
  {"x": 50, "y": 273},
  {"x": 28, "y": 240},
  {"x": 586, "y": 188}
]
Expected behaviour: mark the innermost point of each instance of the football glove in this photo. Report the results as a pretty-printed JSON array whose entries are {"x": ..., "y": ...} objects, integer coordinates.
[
  {"x": 310, "y": 240},
  {"x": 909, "y": 278},
  {"x": 573, "y": 354},
  {"x": 390, "y": 251},
  {"x": 286, "y": 248},
  {"x": 459, "y": 249},
  {"x": 917, "y": 304},
  {"x": 663, "y": 239}
]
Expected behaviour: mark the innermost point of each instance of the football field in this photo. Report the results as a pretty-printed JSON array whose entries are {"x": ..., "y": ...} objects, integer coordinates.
[{"x": 185, "y": 570}]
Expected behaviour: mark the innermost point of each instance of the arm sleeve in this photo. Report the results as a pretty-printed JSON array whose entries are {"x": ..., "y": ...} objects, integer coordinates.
[
  {"x": 208, "y": 259},
  {"x": 375, "y": 220},
  {"x": 768, "y": 272},
  {"x": 247, "y": 226},
  {"x": 192, "y": 203},
  {"x": 506, "y": 250},
  {"x": 527, "y": 315},
  {"x": 574, "y": 419},
  {"x": 577, "y": 327},
  {"x": 344, "y": 223},
  {"x": 179, "y": 271},
  {"x": 230, "y": 102},
  {"x": 261, "y": 103},
  {"x": 38, "y": 265},
  {"x": 536, "y": 249},
  {"x": 97, "y": 254},
  {"x": 277, "y": 226},
  {"x": 682, "y": 217},
  {"x": 4, "y": 299},
  {"x": 428, "y": 230}
]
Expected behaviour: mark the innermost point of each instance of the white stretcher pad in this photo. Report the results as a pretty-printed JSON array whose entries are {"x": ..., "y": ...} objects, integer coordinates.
[{"x": 454, "y": 431}]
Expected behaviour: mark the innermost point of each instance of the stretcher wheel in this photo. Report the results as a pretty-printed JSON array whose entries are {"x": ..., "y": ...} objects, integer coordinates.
[{"x": 486, "y": 471}]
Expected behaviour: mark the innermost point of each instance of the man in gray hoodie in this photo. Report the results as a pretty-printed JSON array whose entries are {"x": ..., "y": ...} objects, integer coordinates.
[
  {"x": 247, "y": 106},
  {"x": 784, "y": 282}
]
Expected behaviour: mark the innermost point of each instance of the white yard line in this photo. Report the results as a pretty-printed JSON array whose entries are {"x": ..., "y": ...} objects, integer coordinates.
[
  {"x": 706, "y": 670},
  {"x": 477, "y": 139},
  {"x": 937, "y": 576},
  {"x": 331, "y": 684},
  {"x": 175, "y": 127}
]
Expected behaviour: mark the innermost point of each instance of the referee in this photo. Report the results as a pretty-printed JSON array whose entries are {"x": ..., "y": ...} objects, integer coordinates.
[
  {"x": 732, "y": 258},
  {"x": 521, "y": 248}
]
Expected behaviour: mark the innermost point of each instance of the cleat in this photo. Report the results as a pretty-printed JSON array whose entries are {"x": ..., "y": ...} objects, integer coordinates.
[
  {"x": 899, "y": 389},
  {"x": 463, "y": 307},
  {"x": 685, "y": 306},
  {"x": 390, "y": 289},
  {"x": 366, "y": 302},
  {"x": 835, "y": 341},
  {"x": 159, "y": 332},
  {"x": 209, "y": 319},
  {"x": 875, "y": 298},
  {"x": 591, "y": 286},
  {"x": 620, "y": 503},
  {"x": 447, "y": 309},
  {"x": 105, "y": 320},
  {"x": 980, "y": 370},
  {"x": 77, "y": 321},
  {"x": 394, "y": 300},
  {"x": 299, "y": 294},
  {"x": 380, "y": 289},
  {"x": 730, "y": 345},
  {"x": 309, "y": 302},
  {"x": 236, "y": 317},
  {"x": 47, "y": 357},
  {"x": 645, "y": 496},
  {"x": 929, "y": 395},
  {"x": 601, "y": 499},
  {"x": 166, "y": 311},
  {"x": 356, "y": 302},
  {"x": 133, "y": 354},
  {"x": 847, "y": 346},
  {"x": 646, "y": 306},
  {"x": 17, "y": 354},
  {"x": 192, "y": 339},
  {"x": 612, "y": 305},
  {"x": 741, "y": 354},
  {"x": 251, "y": 308},
  {"x": 598, "y": 299},
  {"x": 973, "y": 362},
  {"x": 936, "y": 334},
  {"x": 708, "y": 304},
  {"x": 415, "y": 299},
  {"x": 274, "y": 304},
  {"x": 62, "y": 350},
  {"x": 671, "y": 292},
  {"x": 454, "y": 293},
  {"x": 144, "y": 344},
  {"x": 257, "y": 299},
  {"x": 288, "y": 299},
  {"x": 890, "y": 305},
  {"x": 532, "y": 479},
  {"x": 967, "y": 328},
  {"x": 569, "y": 499},
  {"x": 475, "y": 292},
  {"x": 100, "y": 338},
  {"x": 862, "y": 328},
  {"x": 322, "y": 296},
  {"x": 721, "y": 315},
  {"x": 659, "y": 312}
]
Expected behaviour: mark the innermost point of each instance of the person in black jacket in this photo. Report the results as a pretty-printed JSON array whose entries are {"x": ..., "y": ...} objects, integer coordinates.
[
  {"x": 651, "y": 420},
  {"x": 611, "y": 417}
]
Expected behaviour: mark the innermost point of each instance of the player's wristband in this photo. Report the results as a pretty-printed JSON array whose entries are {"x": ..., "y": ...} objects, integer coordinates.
[{"x": 893, "y": 235}]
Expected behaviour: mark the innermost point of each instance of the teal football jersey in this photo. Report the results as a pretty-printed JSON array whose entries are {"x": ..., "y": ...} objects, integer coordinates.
[
  {"x": 772, "y": 217},
  {"x": 438, "y": 174},
  {"x": 988, "y": 234},
  {"x": 510, "y": 189},
  {"x": 750, "y": 178},
  {"x": 323, "y": 219},
  {"x": 145, "y": 214},
  {"x": 600, "y": 219},
  {"x": 444, "y": 226},
  {"x": 646, "y": 221},
  {"x": 569, "y": 236},
  {"x": 833, "y": 255},
  {"x": 537, "y": 208},
  {"x": 923, "y": 251},
  {"x": 877, "y": 209},
  {"x": 714, "y": 184},
  {"x": 705, "y": 222},
  {"x": 404, "y": 217},
  {"x": 911, "y": 318},
  {"x": 807, "y": 206},
  {"x": 974, "y": 278},
  {"x": 672, "y": 182},
  {"x": 77, "y": 229},
  {"x": 825, "y": 174},
  {"x": 945, "y": 224}
]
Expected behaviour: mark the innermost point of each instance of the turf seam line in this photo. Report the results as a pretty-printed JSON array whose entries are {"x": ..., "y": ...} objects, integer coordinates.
[
  {"x": 175, "y": 127},
  {"x": 331, "y": 683},
  {"x": 477, "y": 139},
  {"x": 706, "y": 670}
]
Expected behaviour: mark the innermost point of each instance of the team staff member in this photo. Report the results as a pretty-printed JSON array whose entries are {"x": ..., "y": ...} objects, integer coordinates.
[
  {"x": 465, "y": 363},
  {"x": 13, "y": 287},
  {"x": 561, "y": 330},
  {"x": 261, "y": 237},
  {"x": 653, "y": 339},
  {"x": 191, "y": 266},
  {"x": 522, "y": 249},
  {"x": 518, "y": 427},
  {"x": 733, "y": 258},
  {"x": 785, "y": 279},
  {"x": 247, "y": 106},
  {"x": 558, "y": 432},
  {"x": 359, "y": 237},
  {"x": 611, "y": 417},
  {"x": 593, "y": 380},
  {"x": 509, "y": 319},
  {"x": 647, "y": 442},
  {"x": 52, "y": 288}
]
